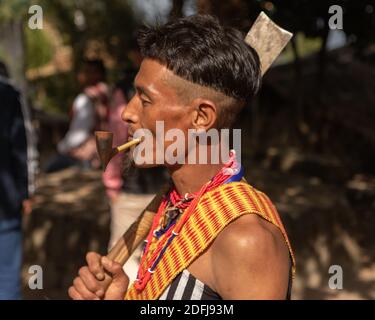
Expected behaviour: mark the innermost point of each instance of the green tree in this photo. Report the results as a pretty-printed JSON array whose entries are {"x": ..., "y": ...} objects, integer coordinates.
[{"x": 111, "y": 23}]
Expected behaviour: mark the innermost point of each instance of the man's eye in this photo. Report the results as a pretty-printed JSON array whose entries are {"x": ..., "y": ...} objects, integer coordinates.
[{"x": 145, "y": 102}]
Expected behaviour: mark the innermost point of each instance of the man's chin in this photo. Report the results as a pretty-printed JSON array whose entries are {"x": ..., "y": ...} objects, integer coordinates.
[
  {"x": 129, "y": 161},
  {"x": 145, "y": 165}
]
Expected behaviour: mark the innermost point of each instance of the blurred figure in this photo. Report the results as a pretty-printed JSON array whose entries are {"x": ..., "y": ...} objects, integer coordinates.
[
  {"x": 32, "y": 151},
  {"x": 4, "y": 75},
  {"x": 112, "y": 176},
  {"x": 127, "y": 200},
  {"x": 89, "y": 113},
  {"x": 96, "y": 109},
  {"x": 13, "y": 187}
]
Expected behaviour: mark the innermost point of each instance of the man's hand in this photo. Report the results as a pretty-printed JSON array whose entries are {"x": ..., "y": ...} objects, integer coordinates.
[{"x": 89, "y": 284}]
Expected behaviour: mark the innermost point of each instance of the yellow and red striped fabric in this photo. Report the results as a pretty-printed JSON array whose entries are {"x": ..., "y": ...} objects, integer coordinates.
[{"x": 215, "y": 210}]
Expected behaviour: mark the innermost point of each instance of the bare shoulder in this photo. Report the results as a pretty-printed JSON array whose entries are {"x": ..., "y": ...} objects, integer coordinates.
[
  {"x": 248, "y": 232},
  {"x": 251, "y": 253}
]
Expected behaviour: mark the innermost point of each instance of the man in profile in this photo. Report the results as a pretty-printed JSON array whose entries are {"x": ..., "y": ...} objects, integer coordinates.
[{"x": 214, "y": 236}]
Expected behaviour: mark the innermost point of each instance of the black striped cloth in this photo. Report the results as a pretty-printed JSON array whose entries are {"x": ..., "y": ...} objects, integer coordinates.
[{"x": 186, "y": 287}]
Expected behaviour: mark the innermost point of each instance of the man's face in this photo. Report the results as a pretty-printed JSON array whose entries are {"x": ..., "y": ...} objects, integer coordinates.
[{"x": 156, "y": 100}]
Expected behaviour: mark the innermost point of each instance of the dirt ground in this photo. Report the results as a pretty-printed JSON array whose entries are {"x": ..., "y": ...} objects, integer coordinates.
[{"x": 328, "y": 224}]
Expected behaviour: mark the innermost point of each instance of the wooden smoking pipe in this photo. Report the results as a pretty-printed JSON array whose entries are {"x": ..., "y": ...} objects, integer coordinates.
[
  {"x": 106, "y": 152},
  {"x": 138, "y": 231}
]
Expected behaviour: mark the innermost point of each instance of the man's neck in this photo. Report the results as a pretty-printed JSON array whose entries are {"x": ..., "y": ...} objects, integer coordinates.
[{"x": 190, "y": 178}]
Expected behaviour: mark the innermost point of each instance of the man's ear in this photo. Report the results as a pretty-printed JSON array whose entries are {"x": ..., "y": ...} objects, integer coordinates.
[{"x": 205, "y": 113}]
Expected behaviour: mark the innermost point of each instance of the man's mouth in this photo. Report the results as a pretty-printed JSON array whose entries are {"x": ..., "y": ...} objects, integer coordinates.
[{"x": 130, "y": 135}]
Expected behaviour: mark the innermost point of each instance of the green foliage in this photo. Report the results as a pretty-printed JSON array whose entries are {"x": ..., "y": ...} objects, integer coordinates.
[
  {"x": 305, "y": 47},
  {"x": 39, "y": 50},
  {"x": 110, "y": 23},
  {"x": 311, "y": 17},
  {"x": 55, "y": 93},
  {"x": 12, "y": 9}
]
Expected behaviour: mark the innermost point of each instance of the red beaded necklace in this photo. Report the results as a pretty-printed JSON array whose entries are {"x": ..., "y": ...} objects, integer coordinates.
[{"x": 188, "y": 202}]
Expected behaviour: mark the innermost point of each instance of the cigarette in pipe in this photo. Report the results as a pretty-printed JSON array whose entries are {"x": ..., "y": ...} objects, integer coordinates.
[{"x": 127, "y": 145}]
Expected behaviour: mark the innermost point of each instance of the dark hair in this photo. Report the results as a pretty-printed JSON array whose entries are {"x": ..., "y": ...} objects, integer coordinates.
[
  {"x": 97, "y": 64},
  {"x": 198, "y": 49}
]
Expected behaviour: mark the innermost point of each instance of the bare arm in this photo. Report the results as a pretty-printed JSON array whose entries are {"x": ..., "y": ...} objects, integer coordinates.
[{"x": 251, "y": 261}]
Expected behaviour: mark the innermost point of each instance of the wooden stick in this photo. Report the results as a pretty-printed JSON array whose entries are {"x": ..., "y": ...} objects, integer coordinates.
[{"x": 136, "y": 233}]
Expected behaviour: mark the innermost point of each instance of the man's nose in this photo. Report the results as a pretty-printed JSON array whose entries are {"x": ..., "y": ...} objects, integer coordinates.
[{"x": 129, "y": 114}]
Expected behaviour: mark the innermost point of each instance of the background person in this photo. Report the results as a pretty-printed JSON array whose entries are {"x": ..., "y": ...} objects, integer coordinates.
[{"x": 13, "y": 189}]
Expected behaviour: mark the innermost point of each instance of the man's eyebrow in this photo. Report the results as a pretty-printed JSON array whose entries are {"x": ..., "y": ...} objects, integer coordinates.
[{"x": 141, "y": 89}]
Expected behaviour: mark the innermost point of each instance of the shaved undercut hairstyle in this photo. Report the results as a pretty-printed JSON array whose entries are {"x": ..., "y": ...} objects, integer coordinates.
[{"x": 202, "y": 51}]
